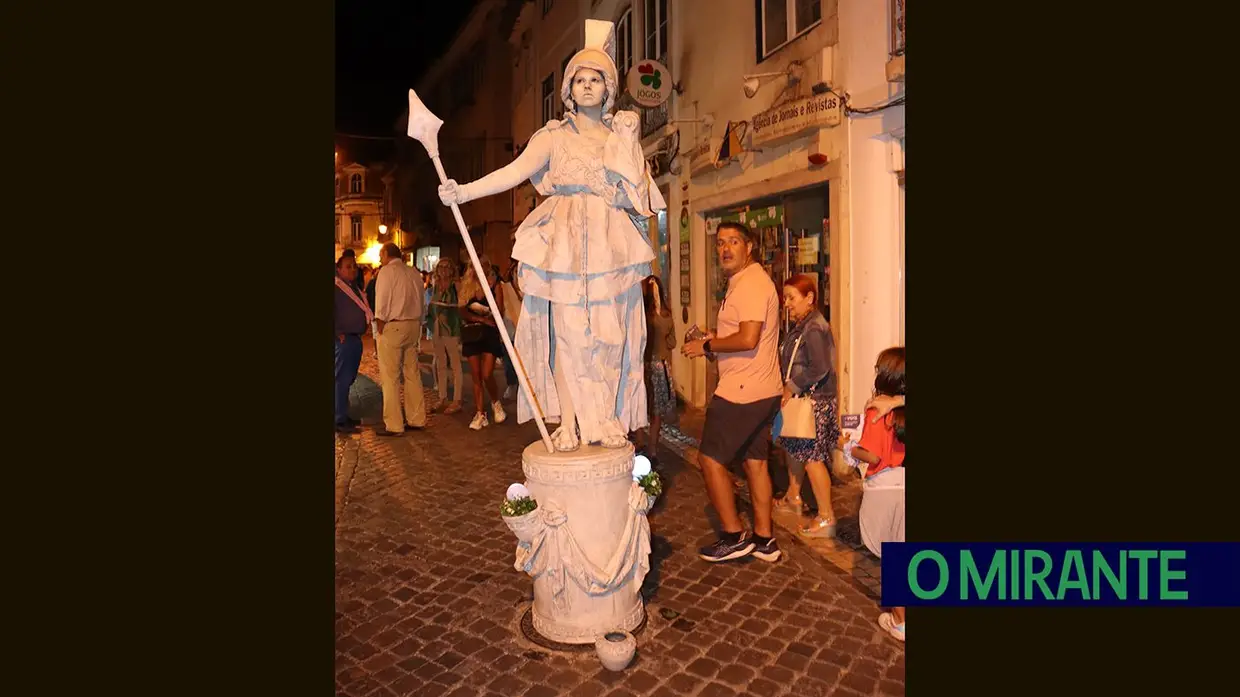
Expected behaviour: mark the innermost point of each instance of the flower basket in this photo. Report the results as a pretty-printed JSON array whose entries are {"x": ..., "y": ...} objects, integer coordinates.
[
  {"x": 527, "y": 526},
  {"x": 520, "y": 513},
  {"x": 652, "y": 485}
]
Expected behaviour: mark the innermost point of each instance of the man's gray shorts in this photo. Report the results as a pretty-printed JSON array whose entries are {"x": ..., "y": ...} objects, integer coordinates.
[{"x": 734, "y": 429}]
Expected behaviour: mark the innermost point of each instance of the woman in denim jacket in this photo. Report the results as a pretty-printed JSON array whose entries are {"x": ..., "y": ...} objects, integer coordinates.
[{"x": 812, "y": 374}]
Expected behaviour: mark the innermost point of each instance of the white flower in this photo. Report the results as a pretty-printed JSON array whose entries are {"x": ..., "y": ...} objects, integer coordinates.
[
  {"x": 641, "y": 467},
  {"x": 517, "y": 491}
]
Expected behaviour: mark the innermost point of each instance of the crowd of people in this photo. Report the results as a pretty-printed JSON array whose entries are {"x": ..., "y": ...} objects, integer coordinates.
[
  {"x": 456, "y": 318},
  {"x": 403, "y": 306}
]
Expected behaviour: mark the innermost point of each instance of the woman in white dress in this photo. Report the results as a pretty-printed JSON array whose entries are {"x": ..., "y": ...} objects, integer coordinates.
[{"x": 582, "y": 328}]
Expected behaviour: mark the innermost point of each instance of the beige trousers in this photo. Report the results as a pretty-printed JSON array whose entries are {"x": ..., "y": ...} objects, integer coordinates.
[
  {"x": 398, "y": 353},
  {"x": 448, "y": 350}
]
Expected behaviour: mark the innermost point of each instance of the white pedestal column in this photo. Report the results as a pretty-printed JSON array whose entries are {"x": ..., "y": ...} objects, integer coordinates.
[{"x": 593, "y": 550}]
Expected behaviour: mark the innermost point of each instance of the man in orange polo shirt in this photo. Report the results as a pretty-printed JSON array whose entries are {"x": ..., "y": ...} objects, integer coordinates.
[{"x": 739, "y": 417}]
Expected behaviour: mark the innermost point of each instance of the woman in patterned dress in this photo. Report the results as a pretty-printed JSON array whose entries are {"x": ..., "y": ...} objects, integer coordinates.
[
  {"x": 582, "y": 258},
  {"x": 811, "y": 371}
]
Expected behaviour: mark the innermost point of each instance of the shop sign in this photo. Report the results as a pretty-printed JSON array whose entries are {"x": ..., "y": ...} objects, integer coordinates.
[
  {"x": 733, "y": 143},
  {"x": 650, "y": 83},
  {"x": 791, "y": 120},
  {"x": 702, "y": 157},
  {"x": 807, "y": 250}
]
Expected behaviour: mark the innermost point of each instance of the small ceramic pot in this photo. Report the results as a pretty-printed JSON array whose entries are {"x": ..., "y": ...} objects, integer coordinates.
[{"x": 616, "y": 649}]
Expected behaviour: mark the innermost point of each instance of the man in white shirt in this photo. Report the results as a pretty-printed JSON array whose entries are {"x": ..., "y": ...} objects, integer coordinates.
[{"x": 398, "y": 316}]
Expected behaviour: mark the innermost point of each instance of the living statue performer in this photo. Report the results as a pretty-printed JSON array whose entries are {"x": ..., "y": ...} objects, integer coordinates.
[{"x": 582, "y": 331}]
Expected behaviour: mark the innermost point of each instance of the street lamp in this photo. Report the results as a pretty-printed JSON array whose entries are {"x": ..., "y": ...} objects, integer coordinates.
[
  {"x": 752, "y": 82},
  {"x": 382, "y": 229}
]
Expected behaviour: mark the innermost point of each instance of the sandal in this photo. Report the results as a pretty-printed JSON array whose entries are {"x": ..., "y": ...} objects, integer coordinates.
[
  {"x": 791, "y": 505},
  {"x": 819, "y": 527},
  {"x": 888, "y": 621}
]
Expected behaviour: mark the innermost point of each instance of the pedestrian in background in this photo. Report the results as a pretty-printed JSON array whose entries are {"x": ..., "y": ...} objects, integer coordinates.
[
  {"x": 353, "y": 317},
  {"x": 358, "y": 282},
  {"x": 660, "y": 340},
  {"x": 370, "y": 287},
  {"x": 480, "y": 341},
  {"x": 427, "y": 281},
  {"x": 512, "y": 315},
  {"x": 444, "y": 315},
  {"x": 398, "y": 314}
]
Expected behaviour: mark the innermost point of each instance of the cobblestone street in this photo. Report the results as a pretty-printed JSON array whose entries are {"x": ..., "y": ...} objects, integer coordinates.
[{"x": 428, "y": 602}]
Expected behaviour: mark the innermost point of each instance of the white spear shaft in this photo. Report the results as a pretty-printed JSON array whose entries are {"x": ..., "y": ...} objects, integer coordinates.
[{"x": 424, "y": 128}]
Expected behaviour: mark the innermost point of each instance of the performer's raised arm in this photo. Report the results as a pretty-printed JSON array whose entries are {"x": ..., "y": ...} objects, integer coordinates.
[{"x": 535, "y": 157}]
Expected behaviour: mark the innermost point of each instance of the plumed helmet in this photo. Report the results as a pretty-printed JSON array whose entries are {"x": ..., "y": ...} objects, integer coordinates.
[{"x": 597, "y": 55}]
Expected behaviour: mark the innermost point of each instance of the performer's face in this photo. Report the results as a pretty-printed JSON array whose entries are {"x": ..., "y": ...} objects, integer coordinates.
[{"x": 588, "y": 87}]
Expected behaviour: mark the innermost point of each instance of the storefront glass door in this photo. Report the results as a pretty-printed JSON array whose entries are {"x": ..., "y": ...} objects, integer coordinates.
[{"x": 793, "y": 235}]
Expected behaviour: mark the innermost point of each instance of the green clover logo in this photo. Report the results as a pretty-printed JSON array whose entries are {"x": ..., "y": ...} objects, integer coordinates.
[{"x": 654, "y": 80}]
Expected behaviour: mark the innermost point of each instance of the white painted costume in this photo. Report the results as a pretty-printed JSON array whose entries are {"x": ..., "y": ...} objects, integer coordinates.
[{"x": 582, "y": 259}]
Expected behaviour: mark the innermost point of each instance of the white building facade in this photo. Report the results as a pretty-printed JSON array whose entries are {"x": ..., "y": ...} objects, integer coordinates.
[{"x": 807, "y": 152}]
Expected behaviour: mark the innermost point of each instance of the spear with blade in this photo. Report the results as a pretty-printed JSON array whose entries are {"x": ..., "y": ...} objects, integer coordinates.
[{"x": 424, "y": 128}]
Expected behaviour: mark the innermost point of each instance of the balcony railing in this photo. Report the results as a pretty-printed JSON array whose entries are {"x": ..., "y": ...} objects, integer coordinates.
[{"x": 897, "y": 27}]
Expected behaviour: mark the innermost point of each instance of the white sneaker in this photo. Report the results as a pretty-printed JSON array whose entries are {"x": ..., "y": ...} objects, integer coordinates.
[
  {"x": 479, "y": 422},
  {"x": 499, "y": 412},
  {"x": 511, "y": 392}
]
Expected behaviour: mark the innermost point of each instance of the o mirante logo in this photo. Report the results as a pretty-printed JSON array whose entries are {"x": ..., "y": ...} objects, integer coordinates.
[
  {"x": 1025, "y": 576},
  {"x": 1187, "y": 574}
]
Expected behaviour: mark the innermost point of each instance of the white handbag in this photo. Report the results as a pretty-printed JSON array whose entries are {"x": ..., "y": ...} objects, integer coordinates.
[{"x": 797, "y": 414}]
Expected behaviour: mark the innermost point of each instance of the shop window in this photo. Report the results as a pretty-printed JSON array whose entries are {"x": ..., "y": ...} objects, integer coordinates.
[
  {"x": 427, "y": 257},
  {"x": 793, "y": 236}
]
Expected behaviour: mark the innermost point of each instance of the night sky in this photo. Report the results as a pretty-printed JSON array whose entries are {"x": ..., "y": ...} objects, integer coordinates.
[{"x": 382, "y": 48}]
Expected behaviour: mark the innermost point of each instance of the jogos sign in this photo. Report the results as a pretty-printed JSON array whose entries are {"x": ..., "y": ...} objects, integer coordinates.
[{"x": 650, "y": 83}]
